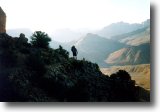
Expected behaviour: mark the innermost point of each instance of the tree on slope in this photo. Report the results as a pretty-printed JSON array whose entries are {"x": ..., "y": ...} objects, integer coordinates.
[{"x": 40, "y": 39}]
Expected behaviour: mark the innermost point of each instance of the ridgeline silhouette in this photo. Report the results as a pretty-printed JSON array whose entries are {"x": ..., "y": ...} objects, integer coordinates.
[{"x": 35, "y": 72}]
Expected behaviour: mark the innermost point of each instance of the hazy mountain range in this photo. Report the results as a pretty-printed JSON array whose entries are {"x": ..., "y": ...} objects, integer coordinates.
[
  {"x": 95, "y": 48},
  {"x": 138, "y": 50},
  {"x": 116, "y": 44},
  {"x": 67, "y": 35},
  {"x": 121, "y": 28},
  {"x": 135, "y": 38}
]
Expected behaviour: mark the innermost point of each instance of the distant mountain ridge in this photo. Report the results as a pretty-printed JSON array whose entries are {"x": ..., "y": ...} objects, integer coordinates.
[
  {"x": 121, "y": 28},
  {"x": 137, "y": 50},
  {"x": 134, "y": 38},
  {"x": 122, "y": 36},
  {"x": 138, "y": 39},
  {"x": 96, "y": 48}
]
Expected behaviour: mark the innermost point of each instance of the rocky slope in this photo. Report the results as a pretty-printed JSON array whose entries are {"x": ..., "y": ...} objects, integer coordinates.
[{"x": 130, "y": 55}]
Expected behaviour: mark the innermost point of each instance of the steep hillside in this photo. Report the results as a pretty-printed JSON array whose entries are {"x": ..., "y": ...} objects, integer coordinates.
[
  {"x": 130, "y": 55},
  {"x": 95, "y": 48}
]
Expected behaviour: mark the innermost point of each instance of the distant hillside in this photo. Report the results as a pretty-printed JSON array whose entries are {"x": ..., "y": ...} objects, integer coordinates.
[
  {"x": 130, "y": 55},
  {"x": 95, "y": 48},
  {"x": 135, "y": 38},
  {"x": 121, "y": 28},
  {"x": 138, "y": 49}
]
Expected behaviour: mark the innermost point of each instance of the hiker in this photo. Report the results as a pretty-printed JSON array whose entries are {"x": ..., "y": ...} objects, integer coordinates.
[{"x": 74, "y": 51}]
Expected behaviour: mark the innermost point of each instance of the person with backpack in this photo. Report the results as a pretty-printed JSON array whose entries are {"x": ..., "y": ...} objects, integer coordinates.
[{"x": 74, "y": 51}]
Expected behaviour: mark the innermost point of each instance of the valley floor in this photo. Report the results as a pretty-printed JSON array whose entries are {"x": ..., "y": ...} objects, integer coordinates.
[{"x": 139, "y": 73}]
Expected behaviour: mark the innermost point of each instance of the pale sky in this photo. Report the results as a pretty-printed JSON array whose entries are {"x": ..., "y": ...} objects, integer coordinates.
[{"x": 49, "y": 15}]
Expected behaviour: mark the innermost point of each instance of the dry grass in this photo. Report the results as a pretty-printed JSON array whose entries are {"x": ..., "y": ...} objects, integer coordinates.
[{"x": 139, "y": 73}]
